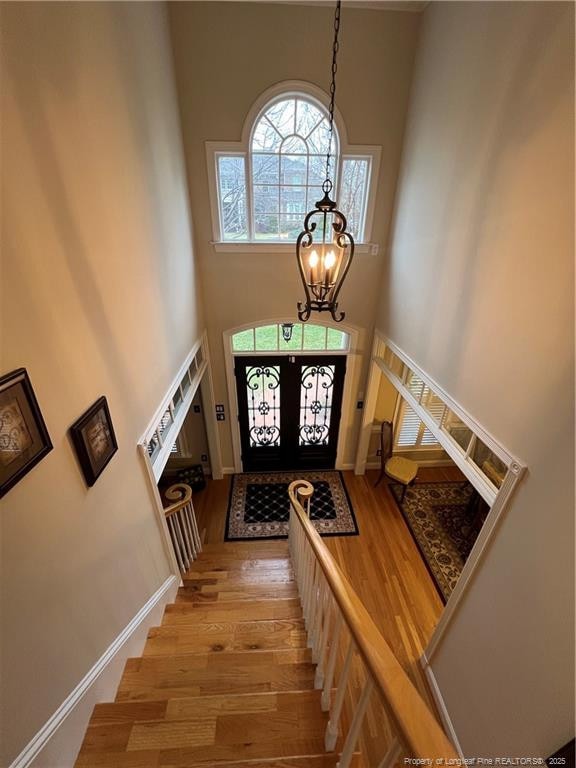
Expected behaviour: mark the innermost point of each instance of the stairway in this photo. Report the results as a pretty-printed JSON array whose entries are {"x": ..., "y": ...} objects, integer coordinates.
[{"x": 227, "y": 680}]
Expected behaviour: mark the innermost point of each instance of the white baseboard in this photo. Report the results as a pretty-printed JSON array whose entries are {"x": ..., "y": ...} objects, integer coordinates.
[
  {"x": 57, "y": 743},
  {"x": 228, "y": 471},
  {"x": 440, "y": 703}
]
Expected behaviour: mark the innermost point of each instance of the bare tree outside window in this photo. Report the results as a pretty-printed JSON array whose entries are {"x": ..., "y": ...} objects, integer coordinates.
[{"x": 264, "y": 196}]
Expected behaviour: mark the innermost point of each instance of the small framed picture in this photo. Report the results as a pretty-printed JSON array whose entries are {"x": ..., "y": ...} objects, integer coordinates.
[
  {"x": 24, "y": 439},
  {"x": 94, "y": 440}
]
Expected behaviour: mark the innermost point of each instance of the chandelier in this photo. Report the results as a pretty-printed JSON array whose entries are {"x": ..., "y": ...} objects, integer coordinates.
[{"x": 324, "y": 248}]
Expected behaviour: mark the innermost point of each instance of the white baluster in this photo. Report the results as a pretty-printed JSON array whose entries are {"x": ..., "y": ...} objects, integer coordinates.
[
  {"x": 174, "y": 538},
  {"x": 314, "y": 611},
  {"x": 189, "y": 535},
  {"x": 195, "y": 531},
  {"x": 326, "y": 693},
  {"x": 299, "y": 561},
  {"x": 308, "y": 584},
  {"x": 354, "y": 732},
  {"x": 392, "y": 755},
  {"x": 320, "y": 616},
  {"x": 180, "y": 540},
  {"x": 192, "y": 523},
  {"x": 332, "y": 727},
  {"x": 328, "y": 611},
  {"x": 291, "y": 534}
]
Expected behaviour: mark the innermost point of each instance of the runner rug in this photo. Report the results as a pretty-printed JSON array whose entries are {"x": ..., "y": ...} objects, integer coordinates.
[
  {"x": 440, "y": 521},
  {"x": 259, "y": 506}
]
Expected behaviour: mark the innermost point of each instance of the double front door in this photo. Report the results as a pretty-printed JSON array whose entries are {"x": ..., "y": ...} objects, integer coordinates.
[{"x": 289, "y": 410}]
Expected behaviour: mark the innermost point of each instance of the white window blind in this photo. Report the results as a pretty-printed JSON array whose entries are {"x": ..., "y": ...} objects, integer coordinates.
[{"x": 412, "y": 432}]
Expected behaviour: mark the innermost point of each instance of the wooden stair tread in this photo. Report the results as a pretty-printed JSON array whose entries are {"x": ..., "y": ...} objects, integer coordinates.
[
  {"x": 299, "y": 753},
  {"x": 154, "y": 677},
  {"x": 201, "y": 753},
  {"x": 230, "y": 660},
  {"x": 227, "y": 680},
  {"x": 151, "y": 759},
  {"x": 187, "y": 708},
  {"x": 255, "y": 576},
  {"x": 246, "y": 610},
  {"x": 302, "y": 761},
  {"x": 226, "y": 636},
  {"x": 247, "y": 547},
  {"x": 202, "y": 594},
  {"x": 234, "y": 563}
]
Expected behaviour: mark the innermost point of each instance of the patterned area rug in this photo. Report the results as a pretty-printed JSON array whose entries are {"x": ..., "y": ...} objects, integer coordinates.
[
  {"x": 259, "y": 506},
  {"x": 438, "y": 518}
]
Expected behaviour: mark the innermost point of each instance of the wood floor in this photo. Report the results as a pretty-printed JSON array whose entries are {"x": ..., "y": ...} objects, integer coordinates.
[
  {"x": 383, "y": 563},
  {"x": 227, "y": 680}
]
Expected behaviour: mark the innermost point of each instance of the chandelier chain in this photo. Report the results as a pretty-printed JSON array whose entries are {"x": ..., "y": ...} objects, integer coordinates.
[{"x": 335, "y": 47}]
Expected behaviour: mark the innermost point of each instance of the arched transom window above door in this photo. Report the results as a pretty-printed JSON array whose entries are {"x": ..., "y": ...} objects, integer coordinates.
[
  {"x": 261, "y": 188},
  {"x": 305, "y": 338}
]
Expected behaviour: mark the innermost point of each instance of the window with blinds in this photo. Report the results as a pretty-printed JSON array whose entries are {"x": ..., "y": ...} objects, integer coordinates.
[{"x": 412, "y": 432}]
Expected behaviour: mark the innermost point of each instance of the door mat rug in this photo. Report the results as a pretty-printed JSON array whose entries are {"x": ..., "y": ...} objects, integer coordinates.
[
  {"x": 259, "y": 506},
  {"x": 442, "y": 526}
]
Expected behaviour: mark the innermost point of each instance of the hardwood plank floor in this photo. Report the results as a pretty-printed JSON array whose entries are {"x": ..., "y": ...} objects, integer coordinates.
[{"x": 383, "y": 563}]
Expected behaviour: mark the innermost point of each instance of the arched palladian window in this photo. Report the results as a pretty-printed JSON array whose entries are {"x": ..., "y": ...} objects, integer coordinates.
[
  {"x": 288, "y": 165},
  {"x": 265, "y": 189}
]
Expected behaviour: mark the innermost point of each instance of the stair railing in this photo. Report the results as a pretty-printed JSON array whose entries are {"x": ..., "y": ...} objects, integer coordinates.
[
  {"x": 181, "y": 521},
  {"x": 329, "y": 603}
]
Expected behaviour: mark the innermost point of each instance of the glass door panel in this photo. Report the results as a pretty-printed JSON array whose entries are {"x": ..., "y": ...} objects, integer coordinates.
[{"x": 316, "y": 390}]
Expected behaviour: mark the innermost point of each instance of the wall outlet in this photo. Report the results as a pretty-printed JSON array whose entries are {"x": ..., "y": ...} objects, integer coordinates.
[
  {"x": 196, "y": 409},
  {"x": 378, "y": 452},
  {"x": 203, "y": 457},
  {"x": 360, "y": 405}
]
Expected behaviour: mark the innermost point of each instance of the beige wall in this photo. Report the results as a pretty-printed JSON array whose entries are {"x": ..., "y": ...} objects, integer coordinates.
[
  {"x": 242, "y": 49},
  {"x": 479, "y": 292},
  {"x": 99, "y": 298}
]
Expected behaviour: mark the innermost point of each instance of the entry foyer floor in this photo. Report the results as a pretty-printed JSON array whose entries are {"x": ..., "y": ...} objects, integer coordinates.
[{"x": 382, "y": 563}]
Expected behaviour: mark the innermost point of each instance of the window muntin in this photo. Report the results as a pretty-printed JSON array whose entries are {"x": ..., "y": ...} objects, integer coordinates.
[
  {"x": 263, "y": 194},
  {"x": 306, "y": 338},
  {"x": 288, "y": 156},
  {"x": 232, "y": 197}
]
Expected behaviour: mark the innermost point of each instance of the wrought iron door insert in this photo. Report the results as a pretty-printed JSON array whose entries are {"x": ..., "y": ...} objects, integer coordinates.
[{"x": 289, "y": 410}]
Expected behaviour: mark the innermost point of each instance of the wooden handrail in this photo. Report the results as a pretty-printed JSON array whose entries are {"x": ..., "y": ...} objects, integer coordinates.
[
  {"x": 181, "y": 494},
  {"x": 416, "y": 726}
]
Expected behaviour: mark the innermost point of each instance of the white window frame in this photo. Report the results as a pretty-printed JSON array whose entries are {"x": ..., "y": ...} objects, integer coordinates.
[
  {"x": 214, "y": 149},
  {"x": 497, "y": 498},
  {"x": 282, "y": 350}
]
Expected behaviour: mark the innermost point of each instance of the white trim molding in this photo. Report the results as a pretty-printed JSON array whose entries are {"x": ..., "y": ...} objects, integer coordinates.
[
  {"x": 352, "y": 354},
  {"x": 441, "y": 704},
  {"x": 288, "y": 88},
  {"x": 194, "y": 373},
  {"x": 68, "y": 724},
  {"x": 497, "y": 498}
]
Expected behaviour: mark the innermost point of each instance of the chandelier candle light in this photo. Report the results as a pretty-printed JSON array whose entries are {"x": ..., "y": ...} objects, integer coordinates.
[{"x": 324, "y": 249}]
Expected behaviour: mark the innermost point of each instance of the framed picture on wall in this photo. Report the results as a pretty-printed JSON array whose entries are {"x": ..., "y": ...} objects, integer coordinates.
[
  {"x": 24, "y": 439},
  {"x": 94, "y": 440}
]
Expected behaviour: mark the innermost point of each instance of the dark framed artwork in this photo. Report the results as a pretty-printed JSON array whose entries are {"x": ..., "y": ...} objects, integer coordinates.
[
  {"x": 94, "y": 440},
  {"x": 24, "y": 439}
]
